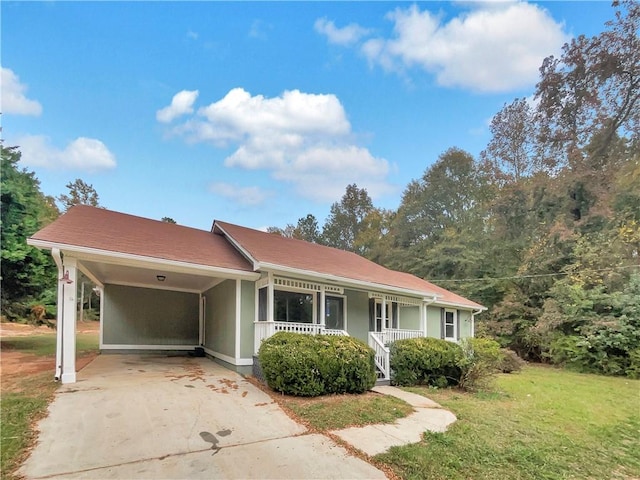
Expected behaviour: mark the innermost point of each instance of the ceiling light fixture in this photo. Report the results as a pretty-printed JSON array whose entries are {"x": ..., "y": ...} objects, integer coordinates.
[{"x": 161, "y": 278}]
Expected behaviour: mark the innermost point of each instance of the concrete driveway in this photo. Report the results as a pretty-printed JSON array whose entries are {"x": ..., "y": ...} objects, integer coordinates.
[{"x": 142, "y": 416}]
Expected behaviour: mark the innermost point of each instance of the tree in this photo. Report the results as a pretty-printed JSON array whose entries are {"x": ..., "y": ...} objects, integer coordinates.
[
  {"x": 346, "y": 218},
  {"x": 593, "y": 87},
  {"x": 28, "y": 274},
  {"x": 80, "y": 193},
  {"x": 168, "y": 220},
  {"x": 511, "y": 150},
  {"x": 286, "y": 232},
  {"x": 307, "y": 229}
]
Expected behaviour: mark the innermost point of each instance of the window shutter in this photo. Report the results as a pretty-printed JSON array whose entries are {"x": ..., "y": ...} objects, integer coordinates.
[
  {"x": 394, "y": 315},
  {"x": 442, "y": 329},
  {"x": 372, "y": 315},
  {"x": 458, "y": 324}
]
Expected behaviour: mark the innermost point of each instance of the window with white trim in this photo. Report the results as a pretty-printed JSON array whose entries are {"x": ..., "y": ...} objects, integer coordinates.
[
  {"x": 293, "y": 306},
  {"x": 450, "y": 325},
  {"x": 387, "y": 320},
  {"x": 335, "y": 312}
]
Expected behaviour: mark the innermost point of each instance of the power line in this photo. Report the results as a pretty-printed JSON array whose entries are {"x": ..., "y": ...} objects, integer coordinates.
[{"x": 517, "y": 277}]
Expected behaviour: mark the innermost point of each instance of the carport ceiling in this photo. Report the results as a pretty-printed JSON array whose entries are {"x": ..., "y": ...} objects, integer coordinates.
[{"x": 148, "y": 277}]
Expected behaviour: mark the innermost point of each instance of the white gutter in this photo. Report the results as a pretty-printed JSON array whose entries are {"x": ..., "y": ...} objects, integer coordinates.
[
  {"x": 130, "y": 259},
  {"x": 55, "y": 253}
]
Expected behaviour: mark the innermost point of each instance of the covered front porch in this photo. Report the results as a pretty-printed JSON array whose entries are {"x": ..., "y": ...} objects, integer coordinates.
[{"x": 312, "y": 308}]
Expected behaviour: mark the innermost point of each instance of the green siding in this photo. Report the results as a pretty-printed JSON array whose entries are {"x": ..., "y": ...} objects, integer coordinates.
[
  {"x": 220, "y": 318},
  {"x": 358, "y": 314},
  {"x": 410, "y": 318},
  {"x": 247, "y": 317},
  {"x": 433, "y": 322},
  {"x": 465, "y": 323},
  {"x": 145, "y": 316}
]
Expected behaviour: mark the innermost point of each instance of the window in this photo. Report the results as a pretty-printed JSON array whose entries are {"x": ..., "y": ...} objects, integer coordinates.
[
  {"x": 334, "y": 313},
  {"x": 293, "y": 306},
  {"x": 450, "y": 325}
]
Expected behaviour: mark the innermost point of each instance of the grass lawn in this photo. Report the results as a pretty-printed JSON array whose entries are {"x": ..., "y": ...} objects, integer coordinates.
[
  {"x": 541, "y": 423},
  {"x": 341, "y": 411},
  {"x": 25, "y": 397},
  {"x": 46, "y": 344}
]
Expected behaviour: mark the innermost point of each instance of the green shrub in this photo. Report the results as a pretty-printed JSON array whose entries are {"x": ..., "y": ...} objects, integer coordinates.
[
  {"x": 481, "y": 359},
  {"x": 511, "y": 362},
  {"x": 425, "y": 361},
  {"x": 311, "y": 365},
  {"x": 633, "y": 371}
]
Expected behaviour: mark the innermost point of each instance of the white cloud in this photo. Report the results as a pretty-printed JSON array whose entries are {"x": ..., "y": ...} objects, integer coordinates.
[
  {"x": 13, "y": 96},
  {"x": 300, "y": 138},
  {"x": 248, "y": 196},
  {"x": 83, "y": 153},
  {"x": 348, "y": 35},
  {"x": 494, "y": 47},
  {"x": 181, "y": 104}
]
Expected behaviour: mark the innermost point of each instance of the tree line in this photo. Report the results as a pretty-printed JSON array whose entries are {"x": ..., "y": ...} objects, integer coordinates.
[{"x": 543, "y": 227}]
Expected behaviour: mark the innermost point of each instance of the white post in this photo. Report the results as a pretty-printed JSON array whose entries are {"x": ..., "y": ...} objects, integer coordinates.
[
  {"x": 69, "y": 321},
  {"x": 384, "y": 314},
  {"x": 101, "y": 293},
  {"x": 270, "y": 299},
  {"x": 423, "y": 319},
  {"x": 323, "y": 313}
]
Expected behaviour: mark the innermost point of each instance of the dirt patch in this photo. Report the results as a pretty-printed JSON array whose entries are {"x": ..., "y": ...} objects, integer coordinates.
[
  {"x": 15, "y": 364},
  {"x": 10, "y": 329}
]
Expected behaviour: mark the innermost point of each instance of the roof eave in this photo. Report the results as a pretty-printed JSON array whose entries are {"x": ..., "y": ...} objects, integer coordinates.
[{"x": 125, "y": 258}]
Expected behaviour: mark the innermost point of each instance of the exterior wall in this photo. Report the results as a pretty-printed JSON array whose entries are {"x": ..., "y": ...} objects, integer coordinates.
[
  {"x": 220, "y": 318},
  {"x": 357, "y": 314},
  {"x": 247, "y": 317},
  {"x": 433, "y": 321},
  {"x": 465, "y": 323},
  {"x": 410, "y": 318},
  {"x": 145, "y": 316}
]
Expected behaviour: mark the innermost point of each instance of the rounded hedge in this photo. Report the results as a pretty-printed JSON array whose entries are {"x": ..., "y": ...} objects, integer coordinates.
[
  {"x": 311, "y": 365},
  {"x": 425, "y": 361}
]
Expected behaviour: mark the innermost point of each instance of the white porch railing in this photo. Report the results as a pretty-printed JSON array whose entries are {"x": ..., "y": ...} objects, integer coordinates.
[
  {"x": 392, "y": 335},
  {"x": 263, "y": 330},
  {"x": 382, "y": 355},
  {"x": 380, "y": 341}
]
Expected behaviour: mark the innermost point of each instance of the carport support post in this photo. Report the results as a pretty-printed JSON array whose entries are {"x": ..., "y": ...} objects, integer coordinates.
[{"x": 69, "y": 321}]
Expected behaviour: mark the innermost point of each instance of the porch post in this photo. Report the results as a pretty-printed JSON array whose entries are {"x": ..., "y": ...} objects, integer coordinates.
[
  {"x": 423, "y": 319},
  {"x": 323, "y": 314},
  {"x": 383, "y": 327},
  {"x": 270, "y": 299},
  {"x": 69, "y": 321}
]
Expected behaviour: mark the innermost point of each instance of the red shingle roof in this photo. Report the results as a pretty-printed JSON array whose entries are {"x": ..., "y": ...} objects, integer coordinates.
[
  {"x": 97, "y": 228},
  {"x": 298, "y": 254},
  {"x": 90, "y": 227}
]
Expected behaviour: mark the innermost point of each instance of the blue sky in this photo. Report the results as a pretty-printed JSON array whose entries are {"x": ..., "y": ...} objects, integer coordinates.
[{"x": 259, "y": 113}]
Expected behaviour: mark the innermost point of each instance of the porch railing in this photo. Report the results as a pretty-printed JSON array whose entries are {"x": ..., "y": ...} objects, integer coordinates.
[
  {"x": 381, "y": 356},
  {"x": 263, "y": 330},
  {"x": 392, "y": 335}
]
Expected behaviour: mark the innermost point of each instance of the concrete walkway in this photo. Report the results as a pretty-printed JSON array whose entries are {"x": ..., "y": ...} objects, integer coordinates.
[
  {"x": 155, "y": 417},
  {"x": 375, "y": 439}
]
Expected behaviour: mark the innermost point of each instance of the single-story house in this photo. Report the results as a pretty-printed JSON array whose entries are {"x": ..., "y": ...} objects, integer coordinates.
[{"x": 166, "y": 287}]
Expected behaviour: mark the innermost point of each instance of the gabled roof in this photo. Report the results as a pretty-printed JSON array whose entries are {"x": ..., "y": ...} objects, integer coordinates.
[
  {"x": 232, "y": 247},
  {"x": 108, "y": 231},
  {"x": 272, "y": 251}
]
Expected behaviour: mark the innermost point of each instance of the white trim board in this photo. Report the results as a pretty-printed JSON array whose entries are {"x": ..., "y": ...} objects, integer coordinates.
[
  {"x": 112, "y": 346},
  {"x": 238, "y": 362}
]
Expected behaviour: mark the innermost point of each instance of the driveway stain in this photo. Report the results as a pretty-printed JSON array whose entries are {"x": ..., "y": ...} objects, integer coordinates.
[{"x": 213, "y": 440}]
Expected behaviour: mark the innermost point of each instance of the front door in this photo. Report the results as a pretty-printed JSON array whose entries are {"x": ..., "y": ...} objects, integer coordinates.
[{"x": 382, "y": 324}]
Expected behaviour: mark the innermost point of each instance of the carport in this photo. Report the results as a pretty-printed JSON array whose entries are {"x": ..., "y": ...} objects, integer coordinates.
[{"x": 153, "y": 280}]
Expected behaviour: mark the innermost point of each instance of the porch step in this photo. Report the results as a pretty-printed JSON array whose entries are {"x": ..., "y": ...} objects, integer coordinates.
[{"x": 382, "y": 382}]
